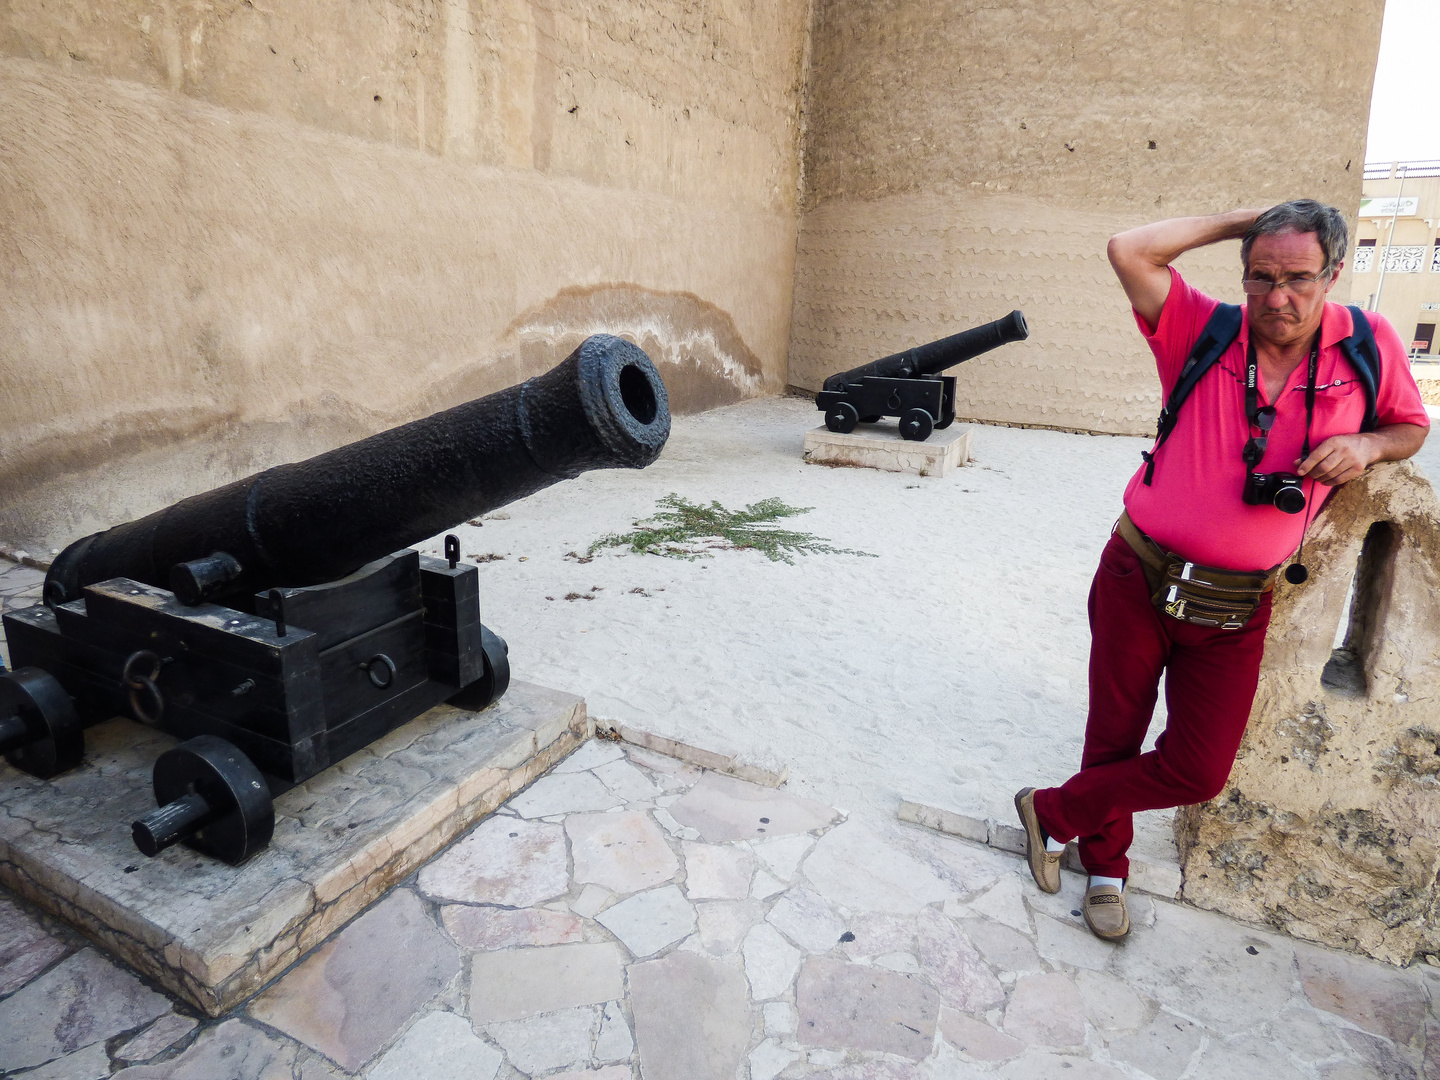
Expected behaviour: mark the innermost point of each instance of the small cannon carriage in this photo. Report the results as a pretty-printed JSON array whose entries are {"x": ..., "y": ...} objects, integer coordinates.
[
  {"x": 909, "y": 384},
  {"x": 282, "y": 622}
]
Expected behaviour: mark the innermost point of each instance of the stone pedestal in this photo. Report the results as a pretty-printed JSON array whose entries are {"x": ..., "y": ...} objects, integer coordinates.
[
  {"x": 1329, "y": 827},
  {"x": 879, "y": 446},
  {"x": 214, "y": 933}
]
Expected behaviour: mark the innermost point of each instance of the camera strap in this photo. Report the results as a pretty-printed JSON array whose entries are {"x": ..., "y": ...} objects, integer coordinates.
[{"x": 1263, "y": 417}]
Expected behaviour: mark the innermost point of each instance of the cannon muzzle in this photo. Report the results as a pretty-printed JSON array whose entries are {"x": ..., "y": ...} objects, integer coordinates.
[
  {"x": 935, "y": 357},
  {"x": 313, "y": 521}
]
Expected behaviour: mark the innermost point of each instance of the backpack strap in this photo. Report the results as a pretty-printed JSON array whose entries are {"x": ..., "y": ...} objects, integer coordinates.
[
  {"x": 1219, "y": 334},
  {"x": 1364, "y": 356}
]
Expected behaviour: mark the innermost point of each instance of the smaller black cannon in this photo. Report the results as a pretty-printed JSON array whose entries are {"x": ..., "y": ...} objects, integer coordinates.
[
  {"x": 282, "y": 622},
  {"x": 909, "y": 384}
]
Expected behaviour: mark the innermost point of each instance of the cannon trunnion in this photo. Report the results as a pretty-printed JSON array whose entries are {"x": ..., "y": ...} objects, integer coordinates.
[
  {"x": 298, "y": 626},
  {"x": 909, "y": 385}
]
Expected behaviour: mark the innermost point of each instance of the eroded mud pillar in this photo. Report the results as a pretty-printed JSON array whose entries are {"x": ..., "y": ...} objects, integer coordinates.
[{"x": 1329, "y": 828}]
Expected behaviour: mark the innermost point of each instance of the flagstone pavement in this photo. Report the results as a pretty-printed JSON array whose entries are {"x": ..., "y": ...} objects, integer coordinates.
[{"x": 631, "y": 916}]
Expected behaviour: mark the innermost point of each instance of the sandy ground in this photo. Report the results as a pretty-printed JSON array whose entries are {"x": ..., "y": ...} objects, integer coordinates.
[
  {"x": 1429, "y": 456},
  {"x": 950, "y": 668}
]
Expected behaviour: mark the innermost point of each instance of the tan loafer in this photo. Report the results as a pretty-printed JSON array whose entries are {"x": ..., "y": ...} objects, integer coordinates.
[
  {"x": 1044, "y": 865},
  {"x": 1105, "y": 912}
]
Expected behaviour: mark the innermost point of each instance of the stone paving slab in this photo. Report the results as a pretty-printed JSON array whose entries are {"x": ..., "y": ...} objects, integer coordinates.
[
  {"x": 352, "y": 995},
  {"x": 214, "y": 934},
  {"x": 866, "y": 949},
  {"x": 42, "y": 1021},
  {"x": 25, "y": 948},
  {"x": 1146, "y": 875}
]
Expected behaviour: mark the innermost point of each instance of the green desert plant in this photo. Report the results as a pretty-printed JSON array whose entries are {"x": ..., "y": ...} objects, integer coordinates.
[{"x": 681, "y": 529}]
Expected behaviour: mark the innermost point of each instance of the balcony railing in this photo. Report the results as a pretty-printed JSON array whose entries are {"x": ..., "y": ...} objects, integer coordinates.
[{"x": 1383, "y": 170}]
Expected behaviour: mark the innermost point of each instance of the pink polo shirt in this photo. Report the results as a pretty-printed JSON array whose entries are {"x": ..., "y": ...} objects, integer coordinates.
[{"x": 1193, "y": 506}]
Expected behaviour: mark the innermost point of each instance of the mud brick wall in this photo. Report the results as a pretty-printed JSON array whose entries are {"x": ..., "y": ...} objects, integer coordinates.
[
  {"x": 961, "y": 161},
  {"x": 237, "y": 233},
  {"x": 1329, "y": 828}
]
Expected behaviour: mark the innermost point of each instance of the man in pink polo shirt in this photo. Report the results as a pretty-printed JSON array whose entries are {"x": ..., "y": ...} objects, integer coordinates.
[{"x": 1195, "y": 505}]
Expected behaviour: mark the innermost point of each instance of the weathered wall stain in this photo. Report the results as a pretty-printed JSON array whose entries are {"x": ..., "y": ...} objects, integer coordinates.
[
  {"x": 235, "y": 234},
  {"x": 702, "y": 357}
]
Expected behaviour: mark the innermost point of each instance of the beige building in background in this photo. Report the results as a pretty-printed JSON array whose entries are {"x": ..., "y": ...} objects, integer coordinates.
[
  {"x": 234, "y": 234},
  {"x": 1396, "y": 268}
]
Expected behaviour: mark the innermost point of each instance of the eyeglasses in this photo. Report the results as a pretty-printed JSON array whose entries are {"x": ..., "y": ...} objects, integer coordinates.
[{"x": 1299, "y": 286}]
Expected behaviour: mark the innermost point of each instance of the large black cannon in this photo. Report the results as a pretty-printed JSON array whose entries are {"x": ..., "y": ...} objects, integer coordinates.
[
  {"x": 909, "y": 384},
  {"x": 282, "y": 622}
]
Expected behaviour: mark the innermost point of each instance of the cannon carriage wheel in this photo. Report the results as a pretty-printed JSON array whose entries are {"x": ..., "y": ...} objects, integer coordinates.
[
  {"x": 212, "y": 797},
  {"x": 40, "y": 731},
  {"x": 492, "y": 685},
  {"x": 842, "y": 417},
  {"x": 916, "y": 425}
]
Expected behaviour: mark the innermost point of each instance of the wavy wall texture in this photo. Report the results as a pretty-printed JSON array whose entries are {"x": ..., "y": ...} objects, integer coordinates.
[
  {"x": 235, "y": 234},
  {"x": 961, "y": 161}
]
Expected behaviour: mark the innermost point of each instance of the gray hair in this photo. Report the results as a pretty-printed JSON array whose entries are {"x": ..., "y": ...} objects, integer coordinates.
[{"x": 1302, "y": 216}]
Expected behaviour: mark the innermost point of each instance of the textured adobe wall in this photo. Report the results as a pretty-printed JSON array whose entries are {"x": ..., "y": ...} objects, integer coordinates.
[
  {"x": 1329, "y": 828},
  {"x": 233, "y": 233},
  {"x": 964, "y": 160}
]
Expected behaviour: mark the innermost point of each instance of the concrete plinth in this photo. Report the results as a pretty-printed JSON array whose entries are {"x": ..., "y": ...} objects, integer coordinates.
[
  {"x": 880, "y": 446},
  {"x": 213, "y": 933}
]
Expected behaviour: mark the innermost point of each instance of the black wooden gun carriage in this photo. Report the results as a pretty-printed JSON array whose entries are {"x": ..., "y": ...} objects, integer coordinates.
[
  {"x": 282, "y": 622},
  {"x": 909, "y": 384}
]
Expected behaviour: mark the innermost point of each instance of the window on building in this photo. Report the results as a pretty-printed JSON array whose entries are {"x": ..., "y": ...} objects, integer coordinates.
[
  {"x": 1424, "y": 337},
  {"x": 1435, "y": 258},
  {"x": 1365, "y": 256}
]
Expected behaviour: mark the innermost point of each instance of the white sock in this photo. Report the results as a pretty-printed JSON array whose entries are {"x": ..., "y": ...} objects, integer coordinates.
[
  {"x": 1118, "y": 882},
  {"x": 1053, "y": 846}
]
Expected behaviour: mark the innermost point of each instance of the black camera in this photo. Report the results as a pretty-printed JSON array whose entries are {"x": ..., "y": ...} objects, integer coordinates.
[{"x": 1282, "y": 490}]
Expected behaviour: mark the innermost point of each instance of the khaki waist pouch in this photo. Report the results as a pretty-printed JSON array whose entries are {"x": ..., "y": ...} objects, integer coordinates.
[{"x": 1193, "y": 593}]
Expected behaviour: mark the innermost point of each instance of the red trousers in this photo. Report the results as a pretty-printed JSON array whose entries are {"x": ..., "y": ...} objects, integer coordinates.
[{"x": 1210, "y": 679}]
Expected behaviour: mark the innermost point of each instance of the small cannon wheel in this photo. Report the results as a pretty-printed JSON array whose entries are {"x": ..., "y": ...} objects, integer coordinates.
[
  {"x": 212, "y": 797},
  {"x": 40, "y": 732},
  {"x": 841, "y": 418},
  {"x": 916, "y": 425},
  {"x": 941, "y": 425},
  {"x": 491, "y": 686}
]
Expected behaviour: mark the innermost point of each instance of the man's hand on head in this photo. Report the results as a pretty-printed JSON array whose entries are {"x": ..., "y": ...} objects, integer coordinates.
[{"x": 1142, "y": 257}]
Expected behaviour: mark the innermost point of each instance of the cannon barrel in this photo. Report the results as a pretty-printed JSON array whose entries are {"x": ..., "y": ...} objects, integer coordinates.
[
  {"x": 317, "y": 520},
  {"x": 935, "y": 357}
]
